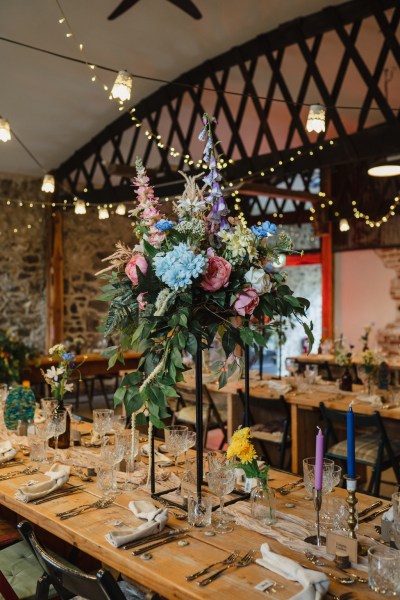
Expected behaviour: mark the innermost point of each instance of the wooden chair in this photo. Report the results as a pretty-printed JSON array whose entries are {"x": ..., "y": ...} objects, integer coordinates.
[
  {"x": 214, "y": 416},
  {"x": 70, "y": 581},
  {"x": 276, "y": 431},
  {"x": 372, "y": 445}
]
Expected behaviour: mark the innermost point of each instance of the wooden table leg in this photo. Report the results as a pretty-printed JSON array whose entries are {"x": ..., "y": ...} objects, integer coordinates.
[{"x": 295, "y": 437}]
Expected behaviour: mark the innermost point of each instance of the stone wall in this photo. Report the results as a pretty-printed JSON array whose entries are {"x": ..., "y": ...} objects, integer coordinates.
[
  {"x": 86, "y": 241},
  {"x": 23, "y": 260}
]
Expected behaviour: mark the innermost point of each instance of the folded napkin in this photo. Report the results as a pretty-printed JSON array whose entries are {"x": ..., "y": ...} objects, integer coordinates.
[
  {"x": 58, "y": 475},
  {"x": 315, "y": 583},
  {"x": 388, "y": 515},
  {"x": 7, "y": 452},
  {"x": 372, "y": 399},
  {"x": 155, "y": 520},
  {"x": 278, "y": 386},
  {"x": 158, "y": 457}
]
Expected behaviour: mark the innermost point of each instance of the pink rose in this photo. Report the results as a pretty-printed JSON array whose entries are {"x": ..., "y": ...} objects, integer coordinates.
[
  {"x": 246, "y": 302},
  {"x": 217, "y": 275},
  {"x": 131, "y": 268},
  {"x": 141, "y": 301}
]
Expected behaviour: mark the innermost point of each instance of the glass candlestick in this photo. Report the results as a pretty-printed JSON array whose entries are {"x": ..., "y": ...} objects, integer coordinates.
[{"x": 317, "y": 540}]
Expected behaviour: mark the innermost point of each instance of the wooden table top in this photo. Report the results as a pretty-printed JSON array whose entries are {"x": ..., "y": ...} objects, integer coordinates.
[{"x": 165, "y": 572}]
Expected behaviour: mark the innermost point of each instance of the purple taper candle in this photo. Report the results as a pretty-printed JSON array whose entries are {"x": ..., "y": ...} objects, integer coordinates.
[{"x": 319, "y": 459}]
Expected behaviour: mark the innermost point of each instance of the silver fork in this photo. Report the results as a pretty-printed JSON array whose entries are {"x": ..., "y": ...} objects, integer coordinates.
[
  {"x": 345, "y": 596},
  {"x": 102, "y": 503},
  {"x": 321, "y": 563},
  {"x": 242, "y": 562},
  {"x": 28, "y": 471},
  {"x": 287, "y": 487},
  {"x": 230, "y": 559}
]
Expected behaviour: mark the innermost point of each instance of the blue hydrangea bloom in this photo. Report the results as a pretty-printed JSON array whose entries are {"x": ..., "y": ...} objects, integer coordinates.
[
  {"x": 178, "y": 268},
  {"x": 264, "y": 230},
  {"x": 68, "y": 356},
  {"x": 164, "y": 225}
]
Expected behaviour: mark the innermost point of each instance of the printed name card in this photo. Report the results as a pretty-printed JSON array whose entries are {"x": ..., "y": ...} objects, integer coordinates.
[{"x": 341, "y": 545}]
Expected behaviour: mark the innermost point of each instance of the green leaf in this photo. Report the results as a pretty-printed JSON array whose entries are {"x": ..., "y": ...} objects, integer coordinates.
[
  {"x": 259, "y": 339},
  {"x": 119, "y": 396},
  {"x": 176, "y": 357},
  {"x": 169, "y": 391},
  {"x": 132, "y": 378},
  {"x": 223, "y": 379},
  {"x": 149, "y": 249},
  {"x": 110, "y": 351},
  {"x": 140, "y": 419},
  {"x": 134, "y": 403},
  {"x": 157, "y": 422},
  {"x": 191, "y": 344},
  {"x": 229, "y": 341},
  {"x": 246, "y": 335},
  {"x": 293, "y": 301}
]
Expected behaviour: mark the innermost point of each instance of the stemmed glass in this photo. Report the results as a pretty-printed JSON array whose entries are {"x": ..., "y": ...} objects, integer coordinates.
[
  {"x": 44, "y": 432},
  {"x": 309, "y": 475},
  {"x": 48, "y": 406},
  {"x": 175, "y": 440},
  {"x": 217, "y": 460},
  {"x": 102, "y": 422},
  {"x": 222, "y": 482},
  {"x": 3, "y": 398},
  {"x": 187, "y": 474},
  {"x": 118, "y": 422},
  {"x": 57, "y": 424},
  {"x": 129, "y": 442},
  {"x": 112, "y": 456}
]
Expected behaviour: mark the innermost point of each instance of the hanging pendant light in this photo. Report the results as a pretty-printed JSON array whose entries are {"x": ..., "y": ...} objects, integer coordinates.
[
  {"x": 122, "y": 87},
  {"x": 344, "y": 225},
  {"x": 103, "y": 213},
  {"x": 48, "y": 184},
  {"x": 316, "y": 118},
  {"x": 387, "y": 167},
  {"x": 121, "y": 209},
  {"x": 5, "y": 130},
  {"x": 80, "y": 207}
]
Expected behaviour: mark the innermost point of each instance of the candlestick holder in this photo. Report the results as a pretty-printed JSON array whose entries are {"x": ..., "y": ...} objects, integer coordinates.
[
  {"x": 352, "y": 520},
  {"x": 317, "y": 540}
]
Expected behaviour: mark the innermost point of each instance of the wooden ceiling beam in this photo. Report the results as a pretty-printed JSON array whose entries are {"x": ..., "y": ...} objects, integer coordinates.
[{"x": 270, "y": 191}]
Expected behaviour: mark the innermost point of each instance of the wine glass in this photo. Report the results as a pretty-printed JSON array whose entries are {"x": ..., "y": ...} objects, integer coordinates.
[
  {"x": 222, "y": 482},
  {"x": 128, "y": 440},
  {"x": 187, "y": 476},
  {"x": 118, "y": 422},
  {"x": 175, "y": 440},
  {"x": 3, "y": 398},
  {"x": 111, "y": 456},
  {"x": 58, "y": 424},
  {"x": 48, "y": 406},
  {"x": 217, "y": 460},
  {"x": 292, "y": 366},
  {"x": 309, "y": 475},
  {"x": 102, "y": 421}
]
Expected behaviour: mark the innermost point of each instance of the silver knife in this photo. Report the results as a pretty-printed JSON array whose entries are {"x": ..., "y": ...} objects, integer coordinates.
[
  {"x": 153, "y": 538},
  {"x": 167, "y": 540},
  {"x": 364, "y": 512},
  {"x": 369, "y": 518}
]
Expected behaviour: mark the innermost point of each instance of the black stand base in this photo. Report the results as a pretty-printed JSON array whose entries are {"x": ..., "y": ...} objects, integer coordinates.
[{"x": 315, "y": 540}]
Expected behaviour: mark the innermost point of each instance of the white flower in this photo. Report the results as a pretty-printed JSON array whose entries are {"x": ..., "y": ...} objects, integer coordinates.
[
  {"x": 258, "y": 279},
  {"x": 69, "y": 387},
  {"x": 54, "y": 372},
  {"x": 57, "y": 349}
]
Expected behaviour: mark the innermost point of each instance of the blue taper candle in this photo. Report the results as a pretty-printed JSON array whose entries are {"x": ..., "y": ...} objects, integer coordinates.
[{"x": 351, "y": 451}]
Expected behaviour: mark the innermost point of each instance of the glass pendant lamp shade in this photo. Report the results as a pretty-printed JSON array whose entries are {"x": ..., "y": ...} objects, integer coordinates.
[
  {"x": 48, "y": 184},
  {"x": 80, "y": 207},
  {"x": 5, "y": 130},
  {"x": 103, "y": 213},
  {"x": 121, "y": 209},
  {"x": 344, "y": 225},
  {"x": 122, "y": 87},
  {"x": 316, "y": 118}
]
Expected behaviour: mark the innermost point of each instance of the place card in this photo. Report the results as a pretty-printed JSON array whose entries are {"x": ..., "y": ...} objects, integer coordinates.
[{"x": 339, "y": 544}]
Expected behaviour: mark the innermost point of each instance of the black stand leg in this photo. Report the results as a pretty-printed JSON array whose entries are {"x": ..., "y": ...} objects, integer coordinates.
[
  {"x": 153, "y": 466},
  {"x": 246, "y": 416},
  {"x": 199, "y": 419}
]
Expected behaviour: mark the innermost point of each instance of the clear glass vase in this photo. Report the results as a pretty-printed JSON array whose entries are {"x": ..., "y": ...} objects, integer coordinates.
[{"x": 263, "y": 503}]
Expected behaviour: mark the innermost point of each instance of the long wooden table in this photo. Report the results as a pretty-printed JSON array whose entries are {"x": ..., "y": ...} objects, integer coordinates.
[
  {"x": 304, "y": 407},
  {"x": 92, "y": 364},
  {"x": 165, "y": 572}
]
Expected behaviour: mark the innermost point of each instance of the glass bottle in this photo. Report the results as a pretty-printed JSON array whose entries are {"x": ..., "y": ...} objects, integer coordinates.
[
  {"x": 346, "y": 382},
  {"x": 63, "y": 438},
  {"x": 263, "y": 503}
]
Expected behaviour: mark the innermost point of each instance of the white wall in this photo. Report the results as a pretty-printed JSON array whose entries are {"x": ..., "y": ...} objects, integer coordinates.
[{"x": 361, "y": 294}]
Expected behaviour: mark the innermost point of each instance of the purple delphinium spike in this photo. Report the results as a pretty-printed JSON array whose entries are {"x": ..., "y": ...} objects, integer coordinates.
[{"x": 219, "y": 210}]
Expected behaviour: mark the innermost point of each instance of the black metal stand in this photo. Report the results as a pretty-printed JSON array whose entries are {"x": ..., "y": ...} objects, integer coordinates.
[
  {"x": 199, "y": 419},
  {"x": 317, "y": 540},
  {"x": 246, "y": 415},
  {"x": 152, "y": 468}
]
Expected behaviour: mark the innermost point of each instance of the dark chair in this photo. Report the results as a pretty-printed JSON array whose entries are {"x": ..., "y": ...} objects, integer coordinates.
[
  {"x": 214, "y": 416},
  {"x": 372, "y": 446},
  {"x": 70, "y": 581},
  {"x": 276, "y": 431}
]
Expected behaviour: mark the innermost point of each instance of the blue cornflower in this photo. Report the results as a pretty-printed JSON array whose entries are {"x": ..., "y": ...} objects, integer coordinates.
[
  {"x": 178, "y": 268},
  {"x": 264, "y": 230},
  {"x": 164, "y": 225},
  {"x": 68, "y": 356}
]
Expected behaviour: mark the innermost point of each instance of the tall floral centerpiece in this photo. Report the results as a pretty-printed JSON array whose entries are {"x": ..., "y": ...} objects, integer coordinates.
[
  {"x": 190, "y": 275},
  {"x": 13, "y": 356},
  {"x": 343, "y": 356}
]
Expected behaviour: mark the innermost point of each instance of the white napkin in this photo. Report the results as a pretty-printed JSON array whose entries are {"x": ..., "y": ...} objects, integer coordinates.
[
  {"x": 278, "y": 386},
  {"x": 372, "y": 399},
  {"x": 155, "y": 520},
  {"x": 158, "y": 457},
  {"x": 57, "y": 474},
  {"x": 7, "y": 452},
  {"x": 315, "y": 583},
  {"x": 388, "y": 515}
]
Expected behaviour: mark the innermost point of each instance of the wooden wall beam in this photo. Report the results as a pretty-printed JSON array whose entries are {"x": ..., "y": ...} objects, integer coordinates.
[{"x": 55, "y": 282}]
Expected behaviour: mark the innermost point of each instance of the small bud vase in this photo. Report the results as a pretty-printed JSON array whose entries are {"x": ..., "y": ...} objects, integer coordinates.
[
  {"x": 346, "y": 382},
  {"x": 263, "y": 503}
]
